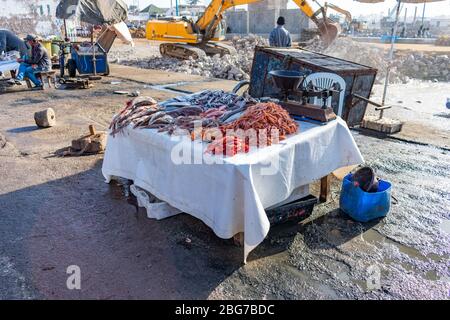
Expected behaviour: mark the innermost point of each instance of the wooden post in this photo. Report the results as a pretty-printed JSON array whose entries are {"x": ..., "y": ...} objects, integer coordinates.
[
  {"x": 92, "y": 129},
  {"x": 324, "y": 189}
]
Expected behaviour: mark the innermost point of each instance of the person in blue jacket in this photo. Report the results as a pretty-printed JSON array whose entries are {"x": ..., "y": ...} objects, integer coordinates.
[{"x": 280, "y": 37}]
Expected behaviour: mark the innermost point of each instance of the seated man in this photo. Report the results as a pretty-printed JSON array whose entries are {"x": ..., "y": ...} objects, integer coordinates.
[{"x": 39, "y": 61}]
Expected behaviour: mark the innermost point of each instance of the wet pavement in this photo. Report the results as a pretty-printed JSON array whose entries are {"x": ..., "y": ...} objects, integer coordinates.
[
  {"x": 57, "y": 212},
  {"x": 404, "y": 256}
]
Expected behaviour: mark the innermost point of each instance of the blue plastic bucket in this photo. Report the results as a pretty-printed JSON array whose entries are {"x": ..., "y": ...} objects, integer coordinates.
[{"x": 363, "y": 206}]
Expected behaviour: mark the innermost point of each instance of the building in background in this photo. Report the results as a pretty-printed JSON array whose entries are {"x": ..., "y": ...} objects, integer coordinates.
[
  {"x": 261, "y": 17},
  {"x": 268, "y": 5},
  {"x": 187, "y": 10},
  {"x": 29, "y": 16}
]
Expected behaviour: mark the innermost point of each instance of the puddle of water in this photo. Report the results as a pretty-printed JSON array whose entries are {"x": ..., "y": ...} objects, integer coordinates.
[
  {"x": 445, "y": 226},
  {"x": 377, "y": 239},
  {"x": 324, "y": 289},
  {"x": 361, "y": 284},
  {"x": 431, "y": 275}
]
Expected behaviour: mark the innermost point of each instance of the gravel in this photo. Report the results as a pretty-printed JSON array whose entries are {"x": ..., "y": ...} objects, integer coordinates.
[{"x": 231, "y": 67}]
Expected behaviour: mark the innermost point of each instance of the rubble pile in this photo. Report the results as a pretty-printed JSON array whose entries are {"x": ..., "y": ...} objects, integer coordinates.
[
  {"x": 426, "y": 66},
  {"x": 443, "y": 41},
  {"x": 237, "y": 66},
  {"x": 116, "y": 55},
  {"x": 418, "y": 65},
  {"x": 232, "y": 67},
  {"x": 371, "y": 56}
]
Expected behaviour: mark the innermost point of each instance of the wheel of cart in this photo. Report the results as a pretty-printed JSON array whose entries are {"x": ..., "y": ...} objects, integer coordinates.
[
  {"x": 72, "y": 68},
  {"x": 242, "y": 87}
]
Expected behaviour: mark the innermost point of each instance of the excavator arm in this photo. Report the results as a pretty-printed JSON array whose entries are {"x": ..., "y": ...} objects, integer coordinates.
[
  {"x": 348, "y": 15},
  {"x": 212, "y": 16},
  {"x": 329, "y": 30},
  {"x": 209, "y": 21}
]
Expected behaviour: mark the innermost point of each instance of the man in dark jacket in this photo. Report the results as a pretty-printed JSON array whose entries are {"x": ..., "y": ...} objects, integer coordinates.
[
  {"x": 39, "y": 61},
  {"x": 10, "y": 42}
]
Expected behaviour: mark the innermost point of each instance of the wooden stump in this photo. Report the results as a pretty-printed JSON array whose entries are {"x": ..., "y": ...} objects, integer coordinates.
[
  {"x": 45, "y": 118},
  {"x": 95, "y": 142}
]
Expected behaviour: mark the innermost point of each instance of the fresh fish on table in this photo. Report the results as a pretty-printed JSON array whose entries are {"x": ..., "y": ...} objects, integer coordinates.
[
  {"x": 134, "y": 110},
  {"x": 185, "y": 111},
  {"x": 208, "y": 99}
]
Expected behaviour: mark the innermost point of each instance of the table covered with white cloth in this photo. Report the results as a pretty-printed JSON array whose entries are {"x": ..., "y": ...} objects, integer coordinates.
[{"x": 229, "y": 194}]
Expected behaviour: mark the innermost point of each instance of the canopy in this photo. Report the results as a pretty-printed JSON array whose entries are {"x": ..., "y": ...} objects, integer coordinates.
[{"x": 95, "y": 12}]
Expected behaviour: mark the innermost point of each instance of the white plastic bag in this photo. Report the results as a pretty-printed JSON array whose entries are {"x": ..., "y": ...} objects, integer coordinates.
[
  {"x": 123, "y": 33},
  {"x": 157, "y": 210}
]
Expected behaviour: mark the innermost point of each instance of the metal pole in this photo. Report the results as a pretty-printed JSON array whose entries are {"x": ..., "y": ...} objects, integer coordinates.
[
  {"x": 248, "y": 21},
  {"x": 391, "y": 56},
  {"x": 415, "y": 15},
  {"x": 423, "y": 12},
  {"x": 404, "y": 20},
  {"x": 94, "y": 60},
  {"x": 176, "y": 7}
]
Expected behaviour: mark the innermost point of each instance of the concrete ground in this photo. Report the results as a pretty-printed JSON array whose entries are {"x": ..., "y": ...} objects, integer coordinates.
[{"x": 56, "y": 212}]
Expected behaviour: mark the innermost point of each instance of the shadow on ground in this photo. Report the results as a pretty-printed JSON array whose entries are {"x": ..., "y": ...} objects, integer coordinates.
[{"x": 79, "y": 220}]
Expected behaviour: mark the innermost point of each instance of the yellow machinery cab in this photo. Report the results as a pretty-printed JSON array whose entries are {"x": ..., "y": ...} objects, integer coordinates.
[{"x": 171, "y": 31}]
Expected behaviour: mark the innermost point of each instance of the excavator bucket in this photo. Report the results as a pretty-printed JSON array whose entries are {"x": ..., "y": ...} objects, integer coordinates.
[{"x": 329, "y": 30}]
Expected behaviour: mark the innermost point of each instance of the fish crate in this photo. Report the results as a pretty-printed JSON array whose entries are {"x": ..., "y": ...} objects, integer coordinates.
[
  {"x": 359, "y": 78},
  {"x": 295, "y": 211}
]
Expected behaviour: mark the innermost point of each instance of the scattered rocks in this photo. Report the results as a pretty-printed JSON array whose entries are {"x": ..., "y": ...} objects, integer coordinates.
[
  {"x": 232, "y": 67},
  {"x": 418, "y": 65},
  {"x": 443, "y": 41},
  {"x": 426, "y": 66}
]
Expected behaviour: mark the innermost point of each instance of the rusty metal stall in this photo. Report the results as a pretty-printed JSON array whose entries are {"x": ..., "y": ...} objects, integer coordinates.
[{"x": 359, "y": 78}]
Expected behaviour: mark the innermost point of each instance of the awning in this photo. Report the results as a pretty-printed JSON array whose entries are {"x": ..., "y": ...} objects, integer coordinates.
[{"x": 95, "y": 12}]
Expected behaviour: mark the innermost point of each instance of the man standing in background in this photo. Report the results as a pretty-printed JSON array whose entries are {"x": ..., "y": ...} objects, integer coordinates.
[{"x": 280, "y": 37}]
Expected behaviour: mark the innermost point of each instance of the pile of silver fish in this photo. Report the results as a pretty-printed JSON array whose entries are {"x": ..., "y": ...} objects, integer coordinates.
[
  {"x": 209, "y": 108},
  {"x": 208, "y": 99}
]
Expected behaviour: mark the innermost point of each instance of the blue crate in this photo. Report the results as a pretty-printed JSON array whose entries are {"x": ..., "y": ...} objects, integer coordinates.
[
  {"x": 364, "y": 206},
  {"x": 85, "y": 64}
]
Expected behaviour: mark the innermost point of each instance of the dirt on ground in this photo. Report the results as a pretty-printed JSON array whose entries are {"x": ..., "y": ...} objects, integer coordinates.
[{"x": 57, "y": 212}]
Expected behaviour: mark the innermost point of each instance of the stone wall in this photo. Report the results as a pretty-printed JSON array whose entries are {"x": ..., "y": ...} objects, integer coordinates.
[
  {"x": 263, "y": 21},
  {"x": 29, "y": 16}
]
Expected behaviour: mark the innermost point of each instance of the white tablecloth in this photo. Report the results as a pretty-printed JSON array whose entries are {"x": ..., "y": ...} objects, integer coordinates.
[
  {"x": 230, "y": 197},
  {"x": 8, "y": 66}
]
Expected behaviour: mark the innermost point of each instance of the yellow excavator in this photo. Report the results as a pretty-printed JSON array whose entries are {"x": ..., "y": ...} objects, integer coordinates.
[{"x": 184, "y": 38}]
